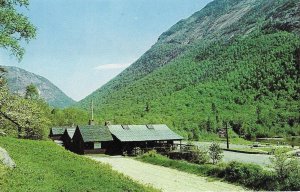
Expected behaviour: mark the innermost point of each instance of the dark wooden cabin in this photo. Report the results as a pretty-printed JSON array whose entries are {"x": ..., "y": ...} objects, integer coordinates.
[
  {"x": 67, "y": 138},
  {"x": 146, "y": 137},
  {"x": 56, "y": 133},
  {"x": 91, "y": 139}
]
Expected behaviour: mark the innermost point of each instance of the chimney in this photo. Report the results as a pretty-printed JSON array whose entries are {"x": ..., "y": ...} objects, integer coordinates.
[{"x": 91, "y": 121}]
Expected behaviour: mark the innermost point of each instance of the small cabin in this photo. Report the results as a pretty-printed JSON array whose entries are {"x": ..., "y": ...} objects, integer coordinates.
[
  {"x": 91, "y": 139},
  {"x": 67, "y": 138},
  {"x": 146, "y": 137},
  {"x": 56, "y": 133}
]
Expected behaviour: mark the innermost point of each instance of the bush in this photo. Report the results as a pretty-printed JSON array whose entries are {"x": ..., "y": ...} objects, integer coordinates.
[
  {"x": 215, "y": 152},
  {"x": 287, "y": 170},
  {"x": 250, "y": 175},
  {"x": 152, "y": 153},
  {"x": 198, "y": 156},
  {"x": 291, "y": 183}
]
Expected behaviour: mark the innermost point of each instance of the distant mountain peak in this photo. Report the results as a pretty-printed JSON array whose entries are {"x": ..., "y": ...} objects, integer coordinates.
[{"x": 18, "y": 79}]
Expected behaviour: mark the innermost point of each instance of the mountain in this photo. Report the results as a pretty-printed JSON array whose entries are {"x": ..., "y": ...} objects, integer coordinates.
[
  {"x": 18, "y": 79},
  {"x": 234, "y": 61}
]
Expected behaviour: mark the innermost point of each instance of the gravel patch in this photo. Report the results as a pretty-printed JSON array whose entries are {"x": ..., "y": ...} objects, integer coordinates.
[{"x": 164, "y": 178}]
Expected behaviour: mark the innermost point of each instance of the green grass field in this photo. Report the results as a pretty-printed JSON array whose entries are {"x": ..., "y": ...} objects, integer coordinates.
[{"x": 44, "y": 166}]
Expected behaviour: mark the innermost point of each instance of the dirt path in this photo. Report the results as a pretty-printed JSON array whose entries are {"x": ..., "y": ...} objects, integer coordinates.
[{"x": 164, "y": 178}]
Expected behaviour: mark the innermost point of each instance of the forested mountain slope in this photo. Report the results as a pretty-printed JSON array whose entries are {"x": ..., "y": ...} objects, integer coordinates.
[
  {"x": 235, "y": 61},
  {"x": 18, "y": 79}
]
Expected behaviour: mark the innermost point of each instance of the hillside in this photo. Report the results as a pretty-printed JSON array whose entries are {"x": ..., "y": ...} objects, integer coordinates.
[
  {"x": 45, "y": 166},
  {"x": 18, "y": 79},
  {"x": 235, "y": 61}
]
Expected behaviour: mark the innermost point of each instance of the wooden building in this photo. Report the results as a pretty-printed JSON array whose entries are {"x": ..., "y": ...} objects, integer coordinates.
[
  {"x": 67, "y": 138},
  {"x": 146, "y": 137},
  {"x": 91, "y": 139},
  {"x": 56, "y": 133}
]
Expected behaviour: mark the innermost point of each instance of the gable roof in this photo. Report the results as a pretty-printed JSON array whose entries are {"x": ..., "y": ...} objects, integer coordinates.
[
  {"x": 94, "y": 133},
  {"x": 70, "y": 132},
  {"x": 57, "y": 130},
  {"x": 143, "y": 132}
]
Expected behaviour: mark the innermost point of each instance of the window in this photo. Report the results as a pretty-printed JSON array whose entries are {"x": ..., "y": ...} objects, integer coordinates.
[{"x": 97, "y": 145}]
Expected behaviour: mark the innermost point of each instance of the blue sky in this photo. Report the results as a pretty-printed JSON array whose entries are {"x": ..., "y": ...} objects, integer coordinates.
[{"x": 82, "y": 44}]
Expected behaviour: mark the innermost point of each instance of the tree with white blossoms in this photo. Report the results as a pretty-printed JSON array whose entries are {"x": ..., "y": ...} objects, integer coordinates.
[{"x": 28, "y": 116}]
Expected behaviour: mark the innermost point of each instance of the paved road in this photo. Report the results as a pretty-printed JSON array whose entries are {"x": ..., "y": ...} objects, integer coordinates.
[
  {"x": 164, "y": 178},
  {"x": 259, "y": 159}
]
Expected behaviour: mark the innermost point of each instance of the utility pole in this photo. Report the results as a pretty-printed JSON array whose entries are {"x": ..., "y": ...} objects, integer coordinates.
[
  {"x": 227, "y": 137},
  {"x": 91, "y": 121},
  {"x": 92, "y": 110}
]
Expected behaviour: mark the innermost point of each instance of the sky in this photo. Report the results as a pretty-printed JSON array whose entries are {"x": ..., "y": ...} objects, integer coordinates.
[{"x": 82, "y": 44}]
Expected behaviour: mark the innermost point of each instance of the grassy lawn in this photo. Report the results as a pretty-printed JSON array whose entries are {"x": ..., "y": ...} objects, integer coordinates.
[
  {"x": 44, "y": 166},
  {"x": 261, "y": 150},
  {"x": 239, "y": 141},
  {"x": 253, "y": 150}
]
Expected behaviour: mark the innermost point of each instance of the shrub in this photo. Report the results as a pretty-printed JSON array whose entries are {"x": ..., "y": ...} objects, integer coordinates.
[
  {"x": 250, "y": 175},
  {"x": 215, "y": 152},
  {"x": 287, "y": 170},
  {"x": 283, "y": 163},
  {"x": 152, "y": 153},
  {"x": 198, "y": 156}
]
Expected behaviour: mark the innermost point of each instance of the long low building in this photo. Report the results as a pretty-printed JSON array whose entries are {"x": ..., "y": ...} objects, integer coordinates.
[
  {"x": 117, "y": 139},
  {"x": 128, "y": 137}
]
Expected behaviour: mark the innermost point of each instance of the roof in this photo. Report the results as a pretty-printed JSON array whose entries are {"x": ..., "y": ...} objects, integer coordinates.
[
  {"x": 94, "y": 133},
  {"x": 70, "y": 132},
  {"x": 143, "y": 132},
  {"x": 57, "y": 130}
]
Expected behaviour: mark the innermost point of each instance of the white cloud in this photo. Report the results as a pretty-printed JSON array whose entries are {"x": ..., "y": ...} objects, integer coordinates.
[{"x": 112, "y": 66}]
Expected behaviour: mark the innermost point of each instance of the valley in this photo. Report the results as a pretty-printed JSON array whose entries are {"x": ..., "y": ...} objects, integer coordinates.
[
  {"x": 205, "y": 72},
  {"x": 213, "y": 105}
]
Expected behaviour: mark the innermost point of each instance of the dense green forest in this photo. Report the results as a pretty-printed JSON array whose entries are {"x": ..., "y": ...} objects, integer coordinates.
[{"x": 244, "y": 73}]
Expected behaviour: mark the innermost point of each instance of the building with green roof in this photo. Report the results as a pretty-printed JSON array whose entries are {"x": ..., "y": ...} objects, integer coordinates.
[
  {"x": 129, "y": 137},
  {"x": 57, "y": 132},
  {"x": 91, "y": 139},
  {"x": 115, "y": 139},
  {"x": 67, "y": 138}
]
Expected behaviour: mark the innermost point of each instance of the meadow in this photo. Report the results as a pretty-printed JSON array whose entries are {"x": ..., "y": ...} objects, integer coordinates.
[{"x": 45, "y": 166}]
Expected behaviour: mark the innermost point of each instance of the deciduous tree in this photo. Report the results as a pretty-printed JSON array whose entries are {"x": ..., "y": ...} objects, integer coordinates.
[{"x": 14, "y": 27}]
